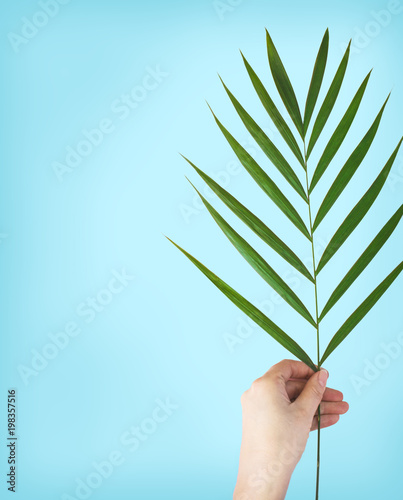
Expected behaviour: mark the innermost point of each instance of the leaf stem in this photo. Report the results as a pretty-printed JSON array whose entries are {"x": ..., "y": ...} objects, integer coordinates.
[{"x": 316, "y": 310}]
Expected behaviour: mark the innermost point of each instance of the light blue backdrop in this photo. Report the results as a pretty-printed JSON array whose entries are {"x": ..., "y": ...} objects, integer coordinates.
[{"x": 128, "y": 363}]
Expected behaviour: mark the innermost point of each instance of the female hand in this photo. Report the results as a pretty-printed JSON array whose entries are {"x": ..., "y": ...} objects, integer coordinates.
[{"x": 278, "y": 412}]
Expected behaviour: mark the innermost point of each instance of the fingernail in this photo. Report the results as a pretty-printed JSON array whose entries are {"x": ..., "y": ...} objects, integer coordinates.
[{"x": 323, "y": 376}]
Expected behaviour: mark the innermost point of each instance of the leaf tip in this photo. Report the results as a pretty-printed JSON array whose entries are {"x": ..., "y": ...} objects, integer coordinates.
[
  {"x": 222, "y": 81},
  {"x": 193, "y": 186},
  {"x": 268, "y": 38},
  {"x": 210, "y": 108},
  {"x": 187, "y": 159}
]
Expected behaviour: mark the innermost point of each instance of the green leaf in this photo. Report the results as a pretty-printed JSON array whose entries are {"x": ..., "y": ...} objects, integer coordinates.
[
  {"x": 316, "y": 82},
  {"x": 255, "y": 224},
  {"x": 267, "y": 146},
  {"x": 329, "y": 101},
  {"x": 250, "y": 310},
  {"x": 264, "y": 181},
  {"x": 339, "y": 134},
  {"x": 257, "y": 262},
  {"x": 273, "y": 112},
  {"x": 357, "y": 213},
  {"x": 372, "y": 249},
  {"x": 360, "y": 312},
  {"x": 348, "y": 170},
  {"x": 283, "y": 85}
]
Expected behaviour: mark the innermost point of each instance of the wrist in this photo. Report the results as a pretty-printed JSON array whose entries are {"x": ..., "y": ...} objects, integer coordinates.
[
  {"x": 262, "y": 486},
  {"x": 264, "y": 478}
]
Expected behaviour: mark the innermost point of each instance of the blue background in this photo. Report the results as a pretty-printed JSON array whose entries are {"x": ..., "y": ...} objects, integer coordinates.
[{"x": 165, "y": 333}]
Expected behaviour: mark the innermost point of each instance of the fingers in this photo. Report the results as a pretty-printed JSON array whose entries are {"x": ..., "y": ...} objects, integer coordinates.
[
  {"x": 325, "y": 421},
  {"x": 295, "y": 387},
  {"x": 288, "y": 369},
  {"x": 329, "y": 414},
  {"x": 312, "y": 394},
  {"x": 333, "y": 408}
]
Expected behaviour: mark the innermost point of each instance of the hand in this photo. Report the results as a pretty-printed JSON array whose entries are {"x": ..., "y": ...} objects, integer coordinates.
[{"x": 278, "y": 412}]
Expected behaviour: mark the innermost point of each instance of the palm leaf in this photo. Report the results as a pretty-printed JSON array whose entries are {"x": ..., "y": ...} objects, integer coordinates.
[
  {"x": 277, "y": 158},
  {"x": 263, "y": 180},
  {"x": 267, "y": 146},
  {"x": 357, "y": 213},
  {"x": 253, "y": 312},
  {"x": 255, "y": 224},
  {"x": 370, "y": 252},
  {"x": 273, "y": 112},
  {"x": 258, "y": 263},
  {"x": 339, "y": 134},
  {"x": 316, "y": 82},
  {"x": 360, "y": 312},
  {"x": 349, "y": 169},
  {"x": 283, "y": 85},
  {"x": 329, "y": 101}
]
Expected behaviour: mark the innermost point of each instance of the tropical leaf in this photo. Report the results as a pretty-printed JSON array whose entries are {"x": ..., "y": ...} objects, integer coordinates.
[
  {"x": 278, "y": 158},
  {"x": 339, "y": 134},
  {"x": 253, "y": 312},
  {"x": 273, "y": 112},
  {"x": 267, "y": 146},
  {"x": 258, "y": 263},
  {"x": 348, "y": 169},
  {"x": 316, "y": 82},
  {"x": 302, "y": 153},
  {"x": 374, "y": 247},
  {"x": 357, "y": 213},
  {"x": 263, "y": 180},
  {"x": 329, "y": 101},
  {"x": 360, "y": 312},
  {"x": 255, "y": 224},
  {"x": 283, "y": 85}
]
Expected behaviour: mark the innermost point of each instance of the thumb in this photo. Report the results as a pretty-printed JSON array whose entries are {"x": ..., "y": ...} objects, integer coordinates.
[{"x": 312, "y": 394}]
